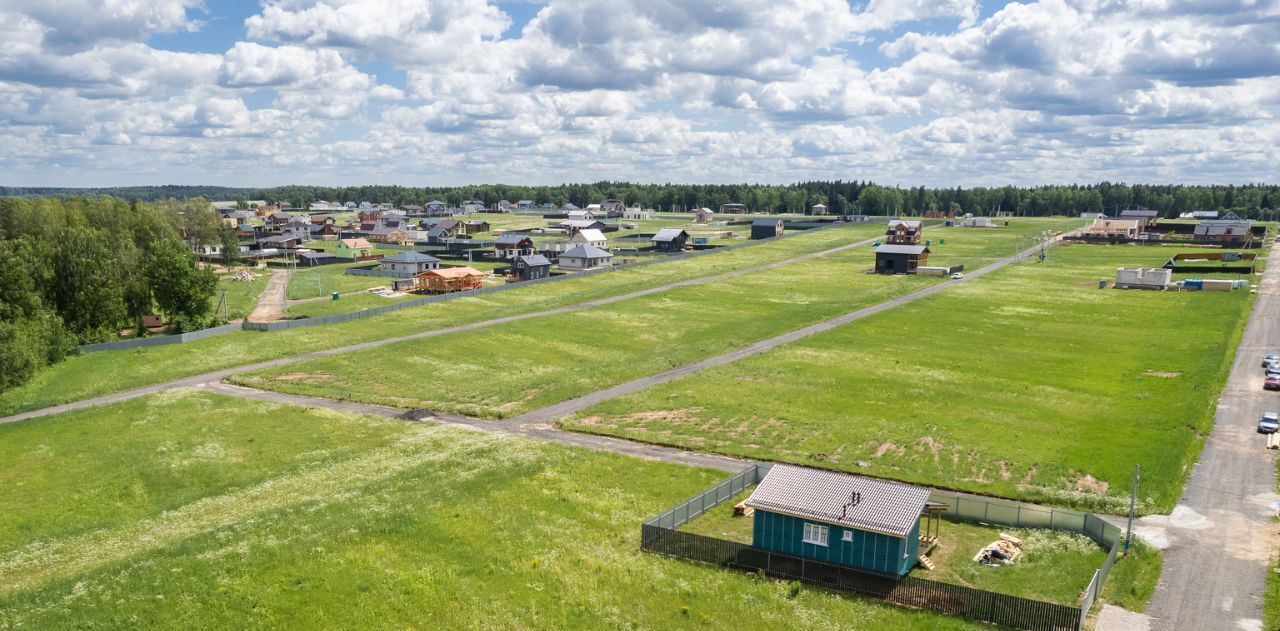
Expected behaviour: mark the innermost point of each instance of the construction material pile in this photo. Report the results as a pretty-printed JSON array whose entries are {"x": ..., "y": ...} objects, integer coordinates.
[
  {"x": 244, "y": 275},
  {"x": 1003, "y": 551}
]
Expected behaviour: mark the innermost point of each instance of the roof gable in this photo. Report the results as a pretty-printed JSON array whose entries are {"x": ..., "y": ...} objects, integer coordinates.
[{"x": 885, "y": 507}]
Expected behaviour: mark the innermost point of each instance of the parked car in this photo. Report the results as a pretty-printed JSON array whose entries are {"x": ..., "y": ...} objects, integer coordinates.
[
  {"x": 1272, "y": 382},
  {"x": 1270, "y": 358},
  {"x": 1272, "y": 367},
  {"x": 1269, "y": 423},
  {"x": 959, "y": 275}
]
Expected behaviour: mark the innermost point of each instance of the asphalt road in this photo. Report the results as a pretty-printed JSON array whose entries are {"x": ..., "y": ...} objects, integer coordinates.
[
  {"x": 219, "y": 375},
  {"x": 1220, "y": 536}
]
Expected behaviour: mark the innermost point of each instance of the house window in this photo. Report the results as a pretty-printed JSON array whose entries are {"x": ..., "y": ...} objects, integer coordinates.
[
  {"x": 815, "y": 534},
  {"x": 848, "y": 535}
]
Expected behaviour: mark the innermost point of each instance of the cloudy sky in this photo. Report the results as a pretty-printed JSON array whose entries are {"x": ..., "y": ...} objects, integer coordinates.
[{"x": 437, "y": 92}]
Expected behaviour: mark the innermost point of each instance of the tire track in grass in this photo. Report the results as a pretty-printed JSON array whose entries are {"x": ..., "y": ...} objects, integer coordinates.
[
  {"x": 40, "y": 562},
  {"x": 219, "y": 375}
]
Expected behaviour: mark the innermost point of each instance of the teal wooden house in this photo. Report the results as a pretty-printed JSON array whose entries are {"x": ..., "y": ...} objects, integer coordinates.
[{"x": 848, "y": 520}]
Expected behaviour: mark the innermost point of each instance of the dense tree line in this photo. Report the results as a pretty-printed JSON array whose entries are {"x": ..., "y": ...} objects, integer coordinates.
[
  {"x": 841, "y": 197},
  {"x": 76, "y": 271}
]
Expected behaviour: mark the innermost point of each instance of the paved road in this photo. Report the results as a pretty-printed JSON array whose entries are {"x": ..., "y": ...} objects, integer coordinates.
[
  {"x": 271, "y": 302},
  {"x": 1220, "y": 536},
  {"x": 219, "y": 375}
]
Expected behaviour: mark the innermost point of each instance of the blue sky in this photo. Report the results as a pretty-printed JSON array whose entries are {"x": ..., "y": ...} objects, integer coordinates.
[{"x": 439, "y": 92}]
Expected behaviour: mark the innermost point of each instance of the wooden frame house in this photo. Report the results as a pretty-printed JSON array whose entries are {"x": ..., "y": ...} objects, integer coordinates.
[{"x": 446, "y": 280}]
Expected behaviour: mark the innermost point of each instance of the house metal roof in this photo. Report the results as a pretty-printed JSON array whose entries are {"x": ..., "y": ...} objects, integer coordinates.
[
  {"x": 581, "y": 223},
  {"x": 1139, "y": 213},
  {"x": 357, "y": 243},
  {"x": 318, "y": 255},
  {"x": 534, "y": 260},
  {"x": 410, "y": 257},
  {"x": 590, "y": 234},
  {"x": 666, "y": 235},
  {"x": 885, "y": 507},
  {"x": 510, "y": 239},
  {"x": 585, "y": 251},
  {"x": 901, "y": 249}
]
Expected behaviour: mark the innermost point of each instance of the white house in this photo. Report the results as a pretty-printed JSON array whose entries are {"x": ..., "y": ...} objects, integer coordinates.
[
  {"x": 590, "y": 236},
  {"x": 585, "y": 257},
  {"x": 636, "y": 213}
]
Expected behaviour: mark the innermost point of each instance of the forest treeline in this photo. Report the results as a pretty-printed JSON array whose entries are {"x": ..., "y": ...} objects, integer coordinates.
[
  {"x": 1253, "y": 200},
  {"x": 76, "y": 271}
]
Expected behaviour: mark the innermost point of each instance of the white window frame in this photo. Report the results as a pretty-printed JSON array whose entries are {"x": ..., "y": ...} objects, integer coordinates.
[
  {"x": 847, "y": 536},
  {"x": 816, "y": 534}
]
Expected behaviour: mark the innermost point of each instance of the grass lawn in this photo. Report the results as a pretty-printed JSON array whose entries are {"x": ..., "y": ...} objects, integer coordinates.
[
  {"x": 242, "y": 296},
  {"x": 503, "y": 371},
  {"x": 101, "y": 373},
  {"x": 408, "y": 526},
  {"x": 1029, "y": 383},
  {"x": 312, "y": 282}
]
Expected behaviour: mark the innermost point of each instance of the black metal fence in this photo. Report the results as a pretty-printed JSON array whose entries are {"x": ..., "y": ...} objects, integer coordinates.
[{"x": 955, "y": 600}]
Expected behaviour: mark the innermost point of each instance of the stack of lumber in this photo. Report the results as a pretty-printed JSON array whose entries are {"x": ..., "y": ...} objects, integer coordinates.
[
  {"x": 1006, "y": 550},
  {"x": 1273, "y": 441},
  {"x": 742, "y": 510}
]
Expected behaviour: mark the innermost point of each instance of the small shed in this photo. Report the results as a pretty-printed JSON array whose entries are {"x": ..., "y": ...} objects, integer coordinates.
[
  {"x": 509, "y": 246},
  {"x": 818, "y": 209},
  {"x": 443, "y": 280},
  {"x": 703, "y": 215},
  {"x": 863, "y": 523},
  {"x": 765, "y": 228},
  {"x": 733, "y": 208},
  {"x": 585, "y": 257},
  {"x": 531, "y": 267},
  {"x": 408, "y": 263},
  {"x": 670, "y": 239},
  {"x": 900, "y": 259}
]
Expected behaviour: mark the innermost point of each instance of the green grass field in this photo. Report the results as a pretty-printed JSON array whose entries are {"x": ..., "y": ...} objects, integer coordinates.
[
  {"x": 312, "y": 282},
  {"x": 219, "y": 513},
  {"x": 101, "y": 373},
  {"x": 503, "y": 371},
  {"x": 1030, "y": 383}
]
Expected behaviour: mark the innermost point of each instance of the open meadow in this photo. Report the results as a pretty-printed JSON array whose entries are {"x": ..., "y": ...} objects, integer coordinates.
[
  {"x": 101, "y": 373},
  {"x": 503, "y": 371},
  {"x": 1030, "y": 383},
  {"x": 218, "y": 513}
]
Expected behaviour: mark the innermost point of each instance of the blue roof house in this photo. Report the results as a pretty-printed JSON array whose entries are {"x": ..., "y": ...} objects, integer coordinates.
[{"x": 863, "y": 523}]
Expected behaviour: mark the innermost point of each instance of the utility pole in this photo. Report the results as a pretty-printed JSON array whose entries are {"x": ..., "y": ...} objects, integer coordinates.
[{"x": 1133, "y": 495}]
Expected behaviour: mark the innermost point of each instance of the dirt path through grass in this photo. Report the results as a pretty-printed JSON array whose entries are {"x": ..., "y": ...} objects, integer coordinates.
[
  {"x": 218, "y": 375},
  {"x": 271, "y": 304}
]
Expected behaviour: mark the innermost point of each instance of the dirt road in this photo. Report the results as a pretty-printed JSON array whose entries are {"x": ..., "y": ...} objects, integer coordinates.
[{"x": 272, "y": 302}]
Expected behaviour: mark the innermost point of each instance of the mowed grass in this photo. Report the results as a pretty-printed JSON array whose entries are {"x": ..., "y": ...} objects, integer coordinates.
[
  {"x": 101, "y": 373},
  {"x": 1055, "y": 567},
  {"x": 503, "y": 371},
  {"x": 421, "y": 527},
  {"x": 1029, "y": 383},
  {"x": 322, "y": 280}
]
